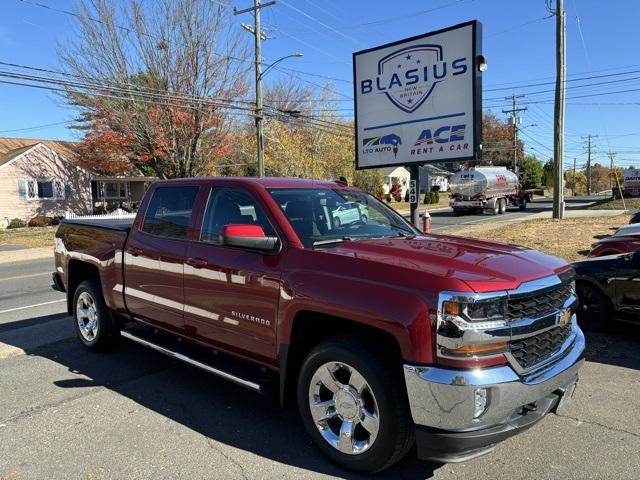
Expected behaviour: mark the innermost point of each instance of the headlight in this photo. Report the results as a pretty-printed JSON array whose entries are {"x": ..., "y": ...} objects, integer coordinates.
[{"x": 481, "y": 311}]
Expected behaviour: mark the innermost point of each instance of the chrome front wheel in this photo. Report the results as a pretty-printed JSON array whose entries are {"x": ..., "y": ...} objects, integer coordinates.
[
  {"x": 344, "y": 408},
  {"x": 87, "y": 316}
]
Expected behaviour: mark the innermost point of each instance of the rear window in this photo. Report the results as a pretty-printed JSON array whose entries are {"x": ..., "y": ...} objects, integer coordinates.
[{"x": 169, "y": 211}]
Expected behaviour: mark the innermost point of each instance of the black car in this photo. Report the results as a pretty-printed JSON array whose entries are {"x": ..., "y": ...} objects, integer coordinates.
[{"x": 608, "y": 288}]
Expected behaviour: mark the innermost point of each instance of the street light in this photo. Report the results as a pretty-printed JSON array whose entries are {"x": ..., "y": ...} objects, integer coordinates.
[
  {"x": 271, "y": 65},
  {"x": 259, "y": 109}
]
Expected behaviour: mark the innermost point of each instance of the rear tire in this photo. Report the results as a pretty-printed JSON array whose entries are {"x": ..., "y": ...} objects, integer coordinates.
[
  {"x": 502, "y": 205},
  {"x": 92, "y": 319},
  {"x": 594, "y": 310},
  {"x": 371, "y": 403}
]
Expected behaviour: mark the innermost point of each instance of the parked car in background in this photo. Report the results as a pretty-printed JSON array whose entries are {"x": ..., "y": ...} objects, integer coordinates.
[
  {"x": 349, "y": 212},
  {"x": 635, "y": 218},
  {"x": 631, "y": 229},
  {"x": 615, "y": 244},
  {"x": 608, "y": 287}
]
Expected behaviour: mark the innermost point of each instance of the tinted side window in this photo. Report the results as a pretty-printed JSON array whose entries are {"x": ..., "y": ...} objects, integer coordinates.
[
  {"x": 231, "y": 206},
  {"x": 169, "y": 211}
]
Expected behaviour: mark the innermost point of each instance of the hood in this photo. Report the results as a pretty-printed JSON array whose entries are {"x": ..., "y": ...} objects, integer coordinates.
[{"x": 483, "y": 266}]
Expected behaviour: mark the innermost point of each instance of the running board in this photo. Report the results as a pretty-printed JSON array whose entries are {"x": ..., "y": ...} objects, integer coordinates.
[{"x": 184, "y": 358}]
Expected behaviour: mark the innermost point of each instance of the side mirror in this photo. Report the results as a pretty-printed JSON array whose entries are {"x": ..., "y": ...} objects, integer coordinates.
[{"x": 247, "y": 236}]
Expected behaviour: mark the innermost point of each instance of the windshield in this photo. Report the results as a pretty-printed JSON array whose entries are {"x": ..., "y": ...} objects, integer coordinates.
[{"x": 322, "y": 216}]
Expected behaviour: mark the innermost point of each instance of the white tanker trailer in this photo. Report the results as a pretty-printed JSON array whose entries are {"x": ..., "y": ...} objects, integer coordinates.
[{"x": 486, "y": 190}]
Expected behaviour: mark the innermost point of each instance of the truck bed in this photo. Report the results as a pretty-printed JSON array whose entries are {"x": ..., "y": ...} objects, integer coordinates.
[{"x": 121, "y": 224}]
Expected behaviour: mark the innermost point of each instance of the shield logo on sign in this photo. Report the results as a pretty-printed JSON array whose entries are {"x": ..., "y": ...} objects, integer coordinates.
[{"x": 410, "y": 75}]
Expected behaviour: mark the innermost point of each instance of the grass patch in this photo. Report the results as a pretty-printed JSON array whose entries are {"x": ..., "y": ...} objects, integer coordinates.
[
  {"x": 570, "y": 239},
  {"x": 631, "y": 204},
  {"x": 28, "y": 237}
]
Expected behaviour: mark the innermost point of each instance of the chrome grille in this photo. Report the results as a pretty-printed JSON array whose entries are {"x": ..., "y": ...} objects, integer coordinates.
[
  {"x": 538, "y": 304},
  {"x": 533, "y": 350}
]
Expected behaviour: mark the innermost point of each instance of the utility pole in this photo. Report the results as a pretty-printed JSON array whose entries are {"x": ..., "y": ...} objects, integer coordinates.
[
  {"x": 589, "y": 138},
  {"x": 620, "y": 190},
  {"x": 515, "y": 120},
  {"x": 258, "y": 35},
  {"x": 558, "y": 124},
  {"x": 573, "y": 188},
  {"x": 611, "y": 155}
]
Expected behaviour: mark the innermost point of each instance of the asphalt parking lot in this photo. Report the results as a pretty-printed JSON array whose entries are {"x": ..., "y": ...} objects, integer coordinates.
[{"x": 66, "y": 413}]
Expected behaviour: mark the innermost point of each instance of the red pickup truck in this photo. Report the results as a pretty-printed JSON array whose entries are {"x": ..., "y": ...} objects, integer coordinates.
[{"x": 383, "y": 336}]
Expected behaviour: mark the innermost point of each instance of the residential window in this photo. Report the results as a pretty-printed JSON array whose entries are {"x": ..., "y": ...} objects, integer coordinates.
[
  {"x": 169, "y": 211},
  {"x": 115, "y": 189},
  {"x": 43, "y": 189}
]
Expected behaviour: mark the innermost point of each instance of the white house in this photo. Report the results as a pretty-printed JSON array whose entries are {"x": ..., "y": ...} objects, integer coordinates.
[{"x": 430, "y": 176}]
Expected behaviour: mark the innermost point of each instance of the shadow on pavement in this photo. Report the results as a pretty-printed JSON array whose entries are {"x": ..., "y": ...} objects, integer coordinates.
[
  {"x": 620, "y": 346},
  {"x": 30, "y": 322},
  {"x": 219, "y": 410}
]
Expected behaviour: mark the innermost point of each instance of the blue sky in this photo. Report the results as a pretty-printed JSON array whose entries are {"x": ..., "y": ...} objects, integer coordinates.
[{"x": 519, "y": 44}]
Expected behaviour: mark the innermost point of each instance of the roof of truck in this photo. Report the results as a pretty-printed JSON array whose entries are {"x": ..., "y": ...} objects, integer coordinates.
[{"x": 276, "y": 182}]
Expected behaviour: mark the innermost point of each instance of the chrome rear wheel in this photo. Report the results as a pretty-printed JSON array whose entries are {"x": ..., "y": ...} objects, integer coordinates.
[{"x": 87, "y": 316}]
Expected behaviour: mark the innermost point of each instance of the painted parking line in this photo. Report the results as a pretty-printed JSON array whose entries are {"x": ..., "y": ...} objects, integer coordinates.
[{"x": 33, "y": 306}]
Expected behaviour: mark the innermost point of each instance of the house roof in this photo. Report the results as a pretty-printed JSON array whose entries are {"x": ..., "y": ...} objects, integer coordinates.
[{"x": 10, "y": 148}]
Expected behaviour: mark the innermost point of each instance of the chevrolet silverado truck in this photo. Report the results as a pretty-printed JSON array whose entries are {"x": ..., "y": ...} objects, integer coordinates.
[{"x": 383, "y": 336}]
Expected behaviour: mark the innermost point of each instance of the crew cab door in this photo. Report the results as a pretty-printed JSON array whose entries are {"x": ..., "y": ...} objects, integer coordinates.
[
  {"x": 154, "y": 257},
  {"x": 231, "y": 293}
]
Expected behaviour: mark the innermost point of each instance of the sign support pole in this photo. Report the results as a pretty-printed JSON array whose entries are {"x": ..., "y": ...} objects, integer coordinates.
[{"x": 414, "y": 194}]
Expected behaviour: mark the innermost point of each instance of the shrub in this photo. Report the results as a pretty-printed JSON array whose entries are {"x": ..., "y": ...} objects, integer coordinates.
[
  {"x": 436, "y": 196},
  {"x": 17, "y": 223},
  {"x": 56, "y": 220},
  {"x": 40, "y": 221},
  {"x": 406, "y": 195},
  {"x": 396, "y": 192},
  {"x": 427, "y": 198},
  {"x": 388, "y": 198}
]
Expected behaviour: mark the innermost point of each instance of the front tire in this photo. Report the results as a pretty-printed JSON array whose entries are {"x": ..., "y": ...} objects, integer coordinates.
[
  {"x": 93, "y": 323},
  {"x": 594, "y": 308},
  {"x": 354, "y": 406}
]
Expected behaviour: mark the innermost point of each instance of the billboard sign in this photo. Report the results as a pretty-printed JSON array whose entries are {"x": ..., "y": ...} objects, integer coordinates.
[{"x": 419, "y": 100}]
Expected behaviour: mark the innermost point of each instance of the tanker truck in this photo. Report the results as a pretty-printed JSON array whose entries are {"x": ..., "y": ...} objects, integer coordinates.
[{"x": 486, "y": 190}]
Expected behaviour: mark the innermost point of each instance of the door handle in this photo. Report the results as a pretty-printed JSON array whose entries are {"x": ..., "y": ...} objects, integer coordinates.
[
  {"x": 135, "y": 251},
  {"x": 196, "y": 262}
]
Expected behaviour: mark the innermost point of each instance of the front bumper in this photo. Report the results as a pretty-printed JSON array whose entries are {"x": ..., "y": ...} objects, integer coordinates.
[{"x": 443, "y": 402}]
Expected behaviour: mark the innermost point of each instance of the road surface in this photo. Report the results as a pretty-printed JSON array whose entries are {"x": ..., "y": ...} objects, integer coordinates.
[{"x": 66, "y": 413}]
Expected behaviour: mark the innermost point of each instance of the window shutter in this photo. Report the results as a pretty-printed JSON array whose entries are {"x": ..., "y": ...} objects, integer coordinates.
[
  {"x": 22, "y": 189},
  {"x": 67, "y": 190}
]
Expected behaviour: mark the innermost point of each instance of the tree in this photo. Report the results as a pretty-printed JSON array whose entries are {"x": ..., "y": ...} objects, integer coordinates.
[
  {"x": 157, "y": 81},
  {"x": 497, "y": 142},
  {"x": 547, "y": 173},
  {"x": 532, "y": 171}
]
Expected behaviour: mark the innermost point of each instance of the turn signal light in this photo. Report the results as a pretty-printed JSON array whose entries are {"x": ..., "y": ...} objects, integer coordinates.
[
  {"x": 475, "y": 349},
  {"x": 451, "y": 308}
]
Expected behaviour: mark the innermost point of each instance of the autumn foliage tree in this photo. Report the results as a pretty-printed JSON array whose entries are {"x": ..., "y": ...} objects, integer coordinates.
[
  {"x": 497, "y": 142},
  {"x": 158, "y": 85}
]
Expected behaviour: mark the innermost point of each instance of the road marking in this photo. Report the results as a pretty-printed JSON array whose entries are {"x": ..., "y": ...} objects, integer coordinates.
[
  {"x": 32, "y": 306},
  {"x": 20, "y": 277}
]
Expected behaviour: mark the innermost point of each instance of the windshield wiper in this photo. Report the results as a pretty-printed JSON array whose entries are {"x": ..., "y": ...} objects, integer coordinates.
[{"x": 329, "y": 241}]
